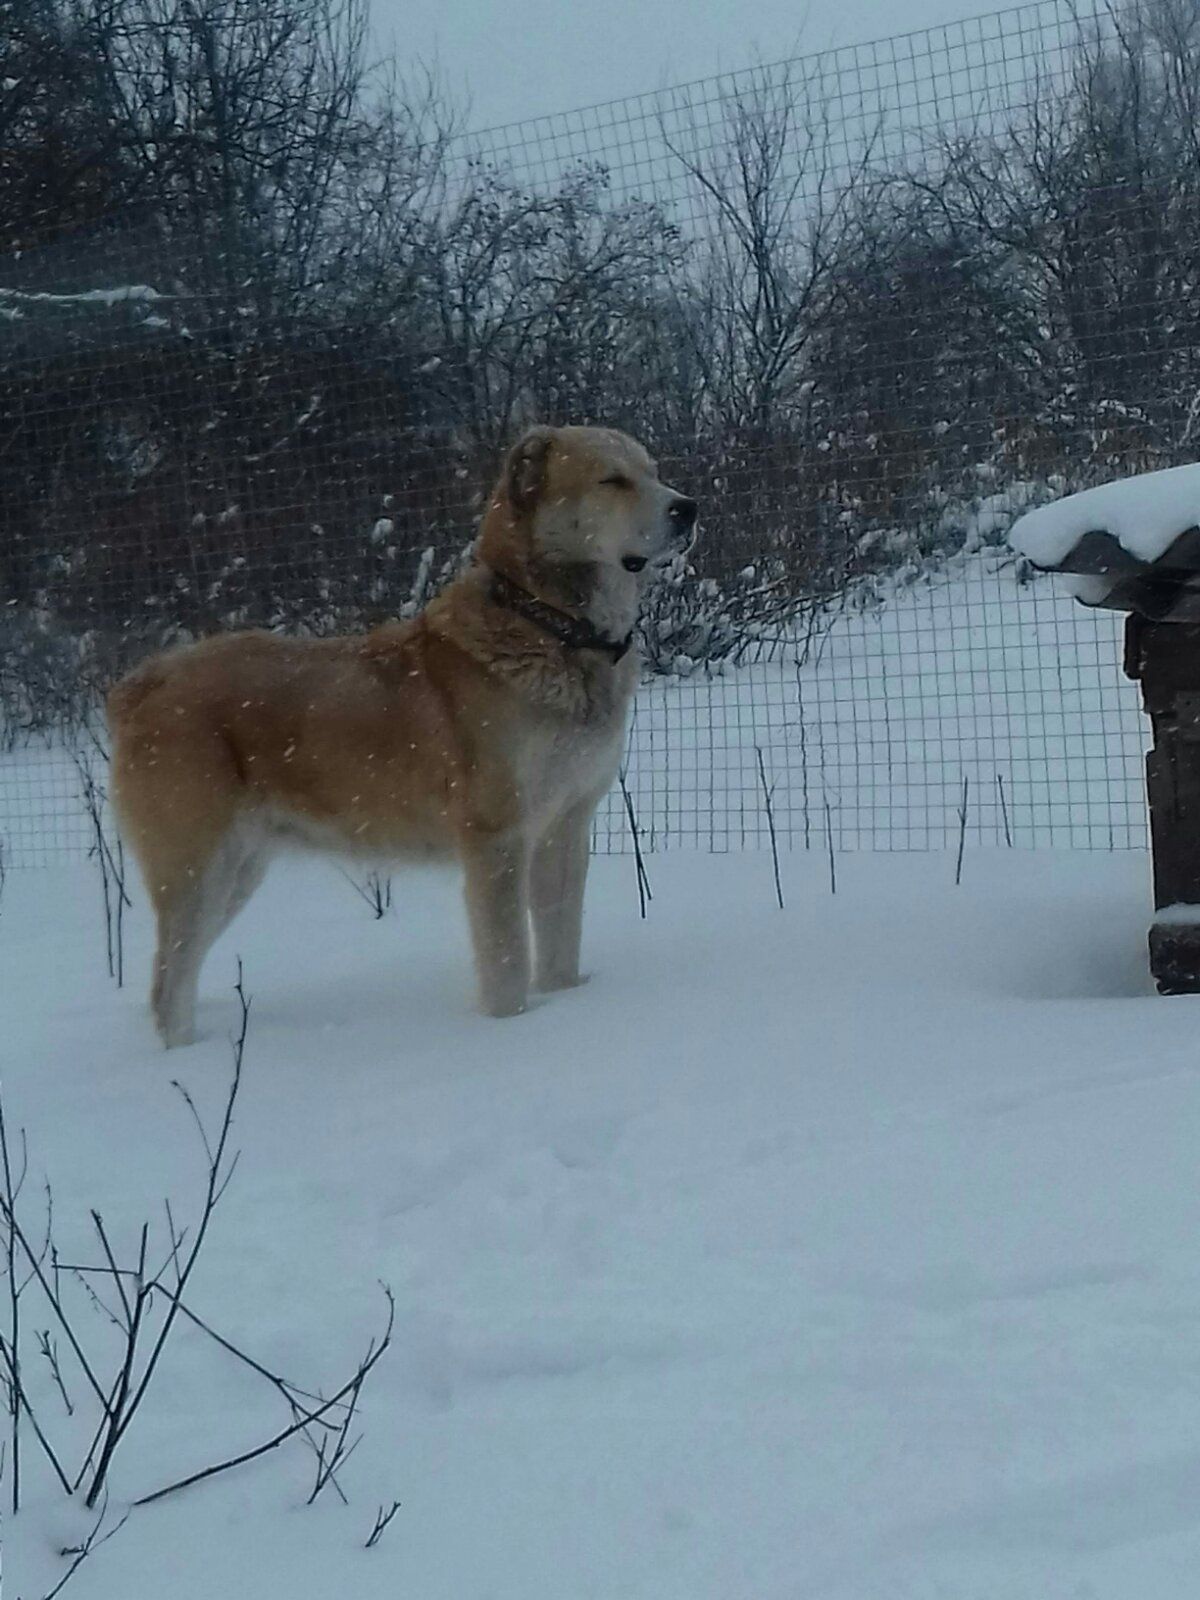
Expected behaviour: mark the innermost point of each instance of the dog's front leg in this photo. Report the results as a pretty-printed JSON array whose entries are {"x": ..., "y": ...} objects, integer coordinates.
[
  {"x": 497, "y": 887},
  {"x": 559, "y": 873}
]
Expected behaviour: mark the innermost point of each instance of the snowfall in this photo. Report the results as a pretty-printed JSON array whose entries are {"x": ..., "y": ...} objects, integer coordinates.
[{"x": 848, "y": 1249}]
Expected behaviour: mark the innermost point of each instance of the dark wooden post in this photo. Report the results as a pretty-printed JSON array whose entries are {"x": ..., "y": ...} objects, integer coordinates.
[{"x": 1165, "y": 658}]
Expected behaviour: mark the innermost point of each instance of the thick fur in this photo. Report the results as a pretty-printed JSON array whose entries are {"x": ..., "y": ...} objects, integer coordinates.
[{"x": 468, "y": 732}]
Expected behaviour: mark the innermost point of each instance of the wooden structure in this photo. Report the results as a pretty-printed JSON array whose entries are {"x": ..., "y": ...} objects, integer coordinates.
[
  {"x": 1162, "y": 652},
  {"x": 1164, "y": 657}
]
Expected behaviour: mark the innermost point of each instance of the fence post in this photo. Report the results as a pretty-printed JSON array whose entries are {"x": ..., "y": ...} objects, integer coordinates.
[{"x": 1165, "y": 658}]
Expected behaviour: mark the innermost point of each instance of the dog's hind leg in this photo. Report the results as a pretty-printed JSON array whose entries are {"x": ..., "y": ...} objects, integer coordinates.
[
  {"x": 180, "y": 800},
  {"x": 191, "y": 913},
  {"x": 247, "y": 876}
]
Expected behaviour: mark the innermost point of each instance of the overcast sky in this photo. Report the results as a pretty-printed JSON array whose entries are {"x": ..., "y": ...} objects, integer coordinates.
[{"x": 519, "y": 58}]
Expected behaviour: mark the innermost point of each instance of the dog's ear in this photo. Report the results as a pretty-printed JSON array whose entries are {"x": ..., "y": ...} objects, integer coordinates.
[{"x": 525, "y": 476}]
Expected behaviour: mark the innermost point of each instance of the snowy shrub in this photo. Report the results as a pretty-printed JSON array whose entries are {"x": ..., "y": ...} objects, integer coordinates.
[
  {"x": 46, "y": 683},
  {"x": 689, "y": 621},
  {"x": 96, "y": 1379}
]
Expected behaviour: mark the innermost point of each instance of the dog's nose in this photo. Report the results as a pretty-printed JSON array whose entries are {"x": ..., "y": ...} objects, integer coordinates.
[{"x": 683, "y": 513}]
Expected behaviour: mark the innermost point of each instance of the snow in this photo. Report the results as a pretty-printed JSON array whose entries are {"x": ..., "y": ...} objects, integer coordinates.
[
  {"x": 979, "y": 523},
  {"x": 1145, "y": 514},
  {"x": 843, "y": 1251},
  {"x": 1180, "y": 914},
  {"x": 121, "y": 294}
]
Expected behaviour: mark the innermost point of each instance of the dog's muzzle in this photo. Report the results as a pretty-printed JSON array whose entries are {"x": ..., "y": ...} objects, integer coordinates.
[{"x": 681, "y": 521}]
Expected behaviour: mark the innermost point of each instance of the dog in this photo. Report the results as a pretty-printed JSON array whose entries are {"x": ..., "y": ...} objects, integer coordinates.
[{"x": 487, "y": 728}]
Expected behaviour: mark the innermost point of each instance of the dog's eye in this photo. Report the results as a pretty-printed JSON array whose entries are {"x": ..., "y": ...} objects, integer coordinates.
[
  {"x": 633, "y": 563},
  {"x": 618, "y": 480}
]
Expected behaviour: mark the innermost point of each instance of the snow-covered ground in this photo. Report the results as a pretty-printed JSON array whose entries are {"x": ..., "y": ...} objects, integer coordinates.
[{"x": 846, "y": 1251}]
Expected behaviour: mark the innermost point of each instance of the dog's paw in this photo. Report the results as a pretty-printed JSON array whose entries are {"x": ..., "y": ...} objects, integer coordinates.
[
  {"x": 177, "y": 1038},
  {"x": 503, "y": 1005}
]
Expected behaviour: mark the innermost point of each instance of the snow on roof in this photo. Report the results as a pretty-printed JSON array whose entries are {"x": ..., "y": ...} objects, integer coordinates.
[{"x": 1145, "y": 514}]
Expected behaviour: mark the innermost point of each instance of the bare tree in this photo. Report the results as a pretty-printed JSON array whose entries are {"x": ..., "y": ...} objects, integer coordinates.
[
  {"x": 778, "y": 198},
  {"x": 541, "y": 298},
  {"x": 1092, "y": 195}
]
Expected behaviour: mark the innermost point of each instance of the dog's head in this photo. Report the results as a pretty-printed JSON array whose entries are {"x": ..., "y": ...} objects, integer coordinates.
[{"x": 586, "y": 507}]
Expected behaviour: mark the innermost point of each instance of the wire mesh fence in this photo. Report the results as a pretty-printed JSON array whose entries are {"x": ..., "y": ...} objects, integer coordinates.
[{"x": 258, "y": 359}]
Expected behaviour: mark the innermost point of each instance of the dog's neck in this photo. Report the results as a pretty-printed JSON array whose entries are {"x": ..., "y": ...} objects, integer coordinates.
[
  {"x": 613, "y": 605},
  {"x": 605, "y": 596},
  {"x": 574, "y": 629}
]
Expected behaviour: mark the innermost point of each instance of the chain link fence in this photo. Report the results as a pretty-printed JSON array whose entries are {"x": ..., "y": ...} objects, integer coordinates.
[{"x": 266, "y": 325}]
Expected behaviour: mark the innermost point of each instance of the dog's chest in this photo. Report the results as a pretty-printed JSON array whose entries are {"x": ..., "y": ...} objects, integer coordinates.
[{"x": 566, "y": 764}]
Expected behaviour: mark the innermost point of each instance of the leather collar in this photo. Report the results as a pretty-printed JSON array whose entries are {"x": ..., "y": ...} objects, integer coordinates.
[{"x": 573, "y": 633}]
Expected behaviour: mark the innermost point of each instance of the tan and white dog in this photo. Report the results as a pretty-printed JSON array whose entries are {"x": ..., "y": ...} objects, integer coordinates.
[{"x": 488, "y": 728}]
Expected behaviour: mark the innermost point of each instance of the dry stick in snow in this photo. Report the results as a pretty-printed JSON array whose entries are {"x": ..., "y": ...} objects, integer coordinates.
[
  {"x": 18, "y": 1397},
  {"x": 82, "y": 1551},
  {"x": 49, "y": 1350},
  {"x": 98, "y": 1223},
  {"x": 112, "y": 868},
  {"x": 10, "y": 1348},
  {"x": 291, "y": 1392},
  {"x": 381, "y": 1521},
  {"x": 53, "y": 1298},
  {"x": 767, "y": 793},
  {"x": 13, "y": 1353},
  {"x": 333, "y": 1454},
  {"x": 1004, "y": 807},
  {"x": 118, "y": 1417},
  {"x": 123, "y": 900},
  {"x": 129, "y": 1396},
  {"x": 643, "y": 882},
  {"x": 962, "y": 829},
  {"x": 324, "y": 1423},
  {"x": 305, "y": 1420},
  {"x": 803, "y": 755},
  {"x": 375, "y": 891},
  {"x": 331, "y": 1458},
  {"x": 829, "y": 844}
]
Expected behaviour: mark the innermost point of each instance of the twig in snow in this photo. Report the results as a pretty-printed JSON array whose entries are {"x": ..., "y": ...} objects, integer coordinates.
[
  {"x": 1004, "y": 810},
  {"x": 375, "y": 890},
  {"x": 130, "y": 1395},
  {"x": 81, "y": 1552},
  {"x": 643, "y": 881},
  {"x": 49, "y": 1350},
  {"x": 303, "y": 1421},
  {"x": 13, "y": 1360},
  {"x": 803, "y": 759},
  {"x": 381, "y": 1521},
  {"x": 829, "y": 846},
  {"x": 767, "y": 793},
  {"x": 111, "y": 862},
  {"x": 128, "y": 1301}
]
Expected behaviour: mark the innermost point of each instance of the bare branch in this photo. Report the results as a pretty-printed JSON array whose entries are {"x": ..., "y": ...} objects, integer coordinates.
[
  {"x": 382, "y": 1519},
  {"x": 302, "y": 1422}
]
